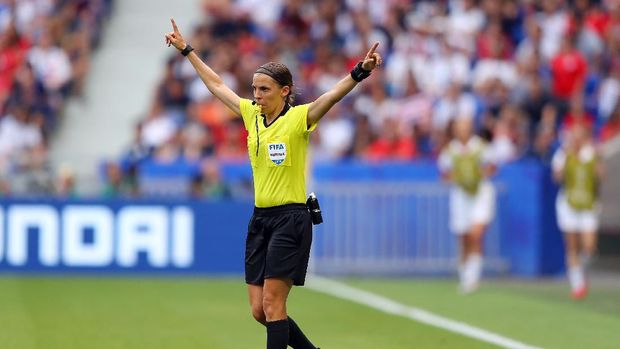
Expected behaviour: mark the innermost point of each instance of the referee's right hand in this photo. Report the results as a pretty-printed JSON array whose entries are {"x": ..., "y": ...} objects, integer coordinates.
[{"x": 174, "y": 37}]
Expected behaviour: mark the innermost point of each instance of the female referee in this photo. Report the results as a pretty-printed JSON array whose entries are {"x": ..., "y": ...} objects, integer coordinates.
[{"x": 280, "y": 230}]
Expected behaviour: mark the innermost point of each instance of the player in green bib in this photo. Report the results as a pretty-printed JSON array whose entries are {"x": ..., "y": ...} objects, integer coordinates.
[
  {"x": 467, "y": 163},
  {"x": 280, "y": 230},
  {"x": 576, "y": 166}
]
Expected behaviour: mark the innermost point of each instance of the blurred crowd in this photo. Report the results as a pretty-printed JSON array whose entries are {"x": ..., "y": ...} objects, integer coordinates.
[
  {"x": 524, "y": 71},
  {"x": 45, "y": 50}
]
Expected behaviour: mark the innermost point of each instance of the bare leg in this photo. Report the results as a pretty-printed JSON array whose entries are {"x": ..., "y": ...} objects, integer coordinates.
[
  {"x": 476, "y": 235},
  {"x": 463, "y": 254},
  {"x": 297, "y": 338},
  {"x": 473, "y": 262},
  {"x": 463, "y": 248},
  {"x": 572, "y": 249},
  {"x": 275, "y": 293},
  {"x": 255, "y": 293},
  {"x": 576, "y": 276},
  {"x": 588, "y": 246}
]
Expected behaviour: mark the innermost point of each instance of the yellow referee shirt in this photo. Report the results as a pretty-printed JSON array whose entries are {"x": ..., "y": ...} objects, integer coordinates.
[{"x": 277, "y": 154}]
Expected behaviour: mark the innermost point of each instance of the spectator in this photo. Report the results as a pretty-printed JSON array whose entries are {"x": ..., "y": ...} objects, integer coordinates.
[
  {"x": 494, "y": 67},
  {"x": 534, "y": 99},
  {"x": 376, "y": 106},
  {"x": 455, "y": 104},
  {"x": 336, "y": 135},
  {"x": 13, "y": 49},
  {"x": 29, "y": 92},
  {"x": 569, "y": 69},
  {"x": 508, "y": 135},
  {"x": 65, "y": 185},
  {"x": 530, "y": 46},
  {"x": 18, "y": 134},
  {"x": 414, "y": 112},
  {"x": 587, "y": 41},
  {"x": 609, "y": 93},
  {"x": 493, "y": 43},
  {"x": 391, "y": 144},
  {"x": 553, "y": 20},
  {"x": 545, "y": 136},
  {"x": 463, "y": 25},
  {"x": 159, "y": 127},
  {"x": 577, "y": 115},
  {"x": 172, "y": 95},
  {"x": 362, "y": 137},
  {"x": 51, "y": 64},
  {"x": 196, "y": 142},
  {"x": 137, "y": 151},
  {"x": 436, "y": 71},
  {"x": 233, "y": 147},
  {"x": 116, "y": 183},
  {"x": 209, "y": 183}
]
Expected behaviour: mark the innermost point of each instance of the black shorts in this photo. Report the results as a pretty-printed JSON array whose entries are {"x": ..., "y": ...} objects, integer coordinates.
[{"x": 278, "y": 244}]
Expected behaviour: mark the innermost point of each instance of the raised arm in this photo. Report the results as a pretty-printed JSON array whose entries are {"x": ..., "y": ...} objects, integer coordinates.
[
  {"x": 214, "y": 82},
  {"x": 323, "y": 104}
]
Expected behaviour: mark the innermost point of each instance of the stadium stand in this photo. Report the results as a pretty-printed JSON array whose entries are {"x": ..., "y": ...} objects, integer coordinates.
[
  {"x": 45, "y": 50},
  {"x": 523, "y": 70}
]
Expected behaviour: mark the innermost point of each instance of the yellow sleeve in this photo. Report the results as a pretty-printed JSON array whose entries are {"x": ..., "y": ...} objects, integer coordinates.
[
  {"x": 247, "y": 112},
  {"x": 302, "y": 120}
]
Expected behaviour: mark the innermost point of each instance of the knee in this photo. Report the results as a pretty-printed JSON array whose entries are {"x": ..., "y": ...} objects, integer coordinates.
[
  {"x": 258, "y": 313},
  {"x": 474, "y": 240},
  {"x": 590, "y": 249},
  {"x": 272, "y": 306}
]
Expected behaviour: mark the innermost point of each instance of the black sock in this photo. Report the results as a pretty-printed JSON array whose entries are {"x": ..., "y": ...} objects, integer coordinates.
[
  {"x": 277, "y": 334},
  {"x": 296, "y": 338}
]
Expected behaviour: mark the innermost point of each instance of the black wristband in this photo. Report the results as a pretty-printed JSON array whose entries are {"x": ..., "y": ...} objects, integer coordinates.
[
  {"x": 187, "y": 50},
  {"x": 358, "y": 73}
]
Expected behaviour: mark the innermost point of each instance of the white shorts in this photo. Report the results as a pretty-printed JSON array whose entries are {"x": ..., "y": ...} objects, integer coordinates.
[
  {"x": 575, "y": 221},
  {"x": 467, "y": 210}
]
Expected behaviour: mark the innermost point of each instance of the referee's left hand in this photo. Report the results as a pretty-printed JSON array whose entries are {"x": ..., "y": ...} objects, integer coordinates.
[
  {"x": 372, "y": 59},
  {"x": 174, "y": 37}
]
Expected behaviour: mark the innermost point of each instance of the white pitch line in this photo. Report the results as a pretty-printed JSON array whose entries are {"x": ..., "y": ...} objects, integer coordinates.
[{"x": 386, "y": 305}]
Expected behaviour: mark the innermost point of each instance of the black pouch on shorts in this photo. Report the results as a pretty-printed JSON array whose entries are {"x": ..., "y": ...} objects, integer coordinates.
[{"x": 315, "y": 209}]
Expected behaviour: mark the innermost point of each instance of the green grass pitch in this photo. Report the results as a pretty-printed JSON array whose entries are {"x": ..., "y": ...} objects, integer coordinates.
[{"x": 212, "y": 313}]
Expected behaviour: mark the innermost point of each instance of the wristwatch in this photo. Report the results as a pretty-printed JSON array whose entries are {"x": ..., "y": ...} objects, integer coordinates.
[{"x": 187, "y": 50}]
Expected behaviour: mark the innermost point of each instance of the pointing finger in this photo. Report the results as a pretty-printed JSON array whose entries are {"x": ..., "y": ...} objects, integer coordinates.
[
  {"x": 372, "y": 50},
  {"x": 174, "y": 25}
]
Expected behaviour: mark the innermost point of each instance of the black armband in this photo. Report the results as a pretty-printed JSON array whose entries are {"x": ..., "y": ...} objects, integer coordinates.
[
  {"x": 187, "y": 50},
  {"x": 358, "y": 73}
]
